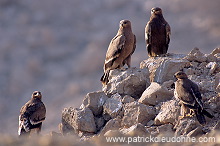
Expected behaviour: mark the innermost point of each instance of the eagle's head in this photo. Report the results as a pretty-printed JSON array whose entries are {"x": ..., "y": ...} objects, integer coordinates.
[
  {"x": 156, "y": 11},
  {"x": 36, "y": 95},
  {"x": 180, "y": 75},
  {"x": 125, "y": 23}
]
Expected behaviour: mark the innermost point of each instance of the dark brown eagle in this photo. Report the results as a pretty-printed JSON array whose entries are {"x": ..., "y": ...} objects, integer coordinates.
[
  {"x": 32, "y": 114},
  {"x": 190, "y": 96},
  {"x": 157, "y": 33},
  {"x": 120, "y": 49}
]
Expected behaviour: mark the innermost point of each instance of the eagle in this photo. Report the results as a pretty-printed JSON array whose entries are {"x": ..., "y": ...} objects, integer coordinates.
[
  {"x": 120, "y": 49},
  {"x": 157, "y": 34},
  {"x": 191, "y": 100},
  {"x": 32, "y": 114}
]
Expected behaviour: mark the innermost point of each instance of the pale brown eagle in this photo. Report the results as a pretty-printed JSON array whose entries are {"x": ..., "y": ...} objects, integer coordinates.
[
  {"x": 120, "y": 49},
  {"x": 32, "y": 114}
]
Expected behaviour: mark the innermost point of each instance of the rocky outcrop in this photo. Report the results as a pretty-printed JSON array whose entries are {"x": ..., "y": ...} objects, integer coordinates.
[{"x": 131, "y": 105}]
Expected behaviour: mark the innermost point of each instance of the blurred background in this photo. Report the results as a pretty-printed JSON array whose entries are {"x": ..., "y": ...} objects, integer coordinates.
[{"x": 58, "y": 46}]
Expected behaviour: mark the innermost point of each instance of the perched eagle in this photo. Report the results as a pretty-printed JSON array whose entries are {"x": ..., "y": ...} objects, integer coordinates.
[
  {"x": 32, "y": 114},
  {"x": 157, "y": 33},
  {"x": 120, "y": 49},
  {"x": 188, "y": 92}
]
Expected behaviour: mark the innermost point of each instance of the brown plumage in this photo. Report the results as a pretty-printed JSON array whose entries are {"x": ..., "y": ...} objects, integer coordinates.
[
  {"x": 157, "y": 34},
  {"x": 32, "y": 114},
  {"x": 191, "y": 99},
  {"x": 120, "y": 49}
]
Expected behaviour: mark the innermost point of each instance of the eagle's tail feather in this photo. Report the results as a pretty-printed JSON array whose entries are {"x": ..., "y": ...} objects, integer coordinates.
[
  {"x": 205, "y": 112},
  {"x": 200, "y": 117},
  {"x": 104, "y": 79}
]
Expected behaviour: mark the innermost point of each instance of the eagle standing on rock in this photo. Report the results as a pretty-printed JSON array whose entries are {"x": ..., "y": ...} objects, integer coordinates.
[
  {"x": 157, "y": 33},
  {"x": 32, "y": 114},
  {"x": 120, "y": 49},
  {"x": 188, "y": 92}
]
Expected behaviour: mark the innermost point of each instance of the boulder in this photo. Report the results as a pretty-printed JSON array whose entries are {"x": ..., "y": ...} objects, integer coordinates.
[
  {"x": 212, "y": 66},
  {"x": 113, "y": 124},
  {"x": 217, "y": 82},
  {"x": 168, "y": 113},
  {"x": 95, "y": 101},
  {"x": 136, "y": 112},
  {"x": 155, "y": 94},
  {"x": 127, "y": 99},
  {"x": 163, "y": 68},
  {"x": 132, "y": 81},
  {"x": 186, "y": 126},
  {"x": 196, "y": 55},
  {"x": 216, "y": 51},
  {"x": 196, "y": 132},
  {"x": 113, "y": 105},
  {"x": 100, "y": 122},
  {"x": 113, "y": 133},
  {"x": 79, "y": 119},
  {"x": 135, "y": 130},
  {"x": 165, "y": 128},
  {"x": 211, "y": 57}
]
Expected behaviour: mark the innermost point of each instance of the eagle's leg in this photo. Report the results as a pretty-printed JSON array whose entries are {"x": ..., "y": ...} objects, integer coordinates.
[{"x": 191, "y": 113}]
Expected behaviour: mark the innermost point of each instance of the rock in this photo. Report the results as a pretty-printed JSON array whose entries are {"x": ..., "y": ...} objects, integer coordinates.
[
  {"x": 113, "y": 105},
  {"x": 131, "y": 81},
  {"x": 127, "y": 99},
  {"x": 155, "y": 94},
  {"x": 136, "y": 112},
  {"x": 113, "y": 124},
  {"x": 135, "y": 130},
  {"x": 217, "y": 126},
  {"x": 196, "y": 55},
  {"x": 100, "y": 122},
  {"x": 167, "y": 128},
  {"x": 196, "y": 132},
  {"x": 169, "y": 113},
  {"x": 94, "y": 101},
  {"x": 79, "y": 119},
  {"x": 113, "y": 133},
  {"x": 216, "y": 51},
  {"x": 211, "y": 57},
  {"x": 186, "y": 125},
  {"x": 150, "y": 123},
  {"x": 212, "y": 66},
  {"x": 217, "y": 82},
  {"x": 163, "y": 68},
  {"x": 153, "y": 130}
]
